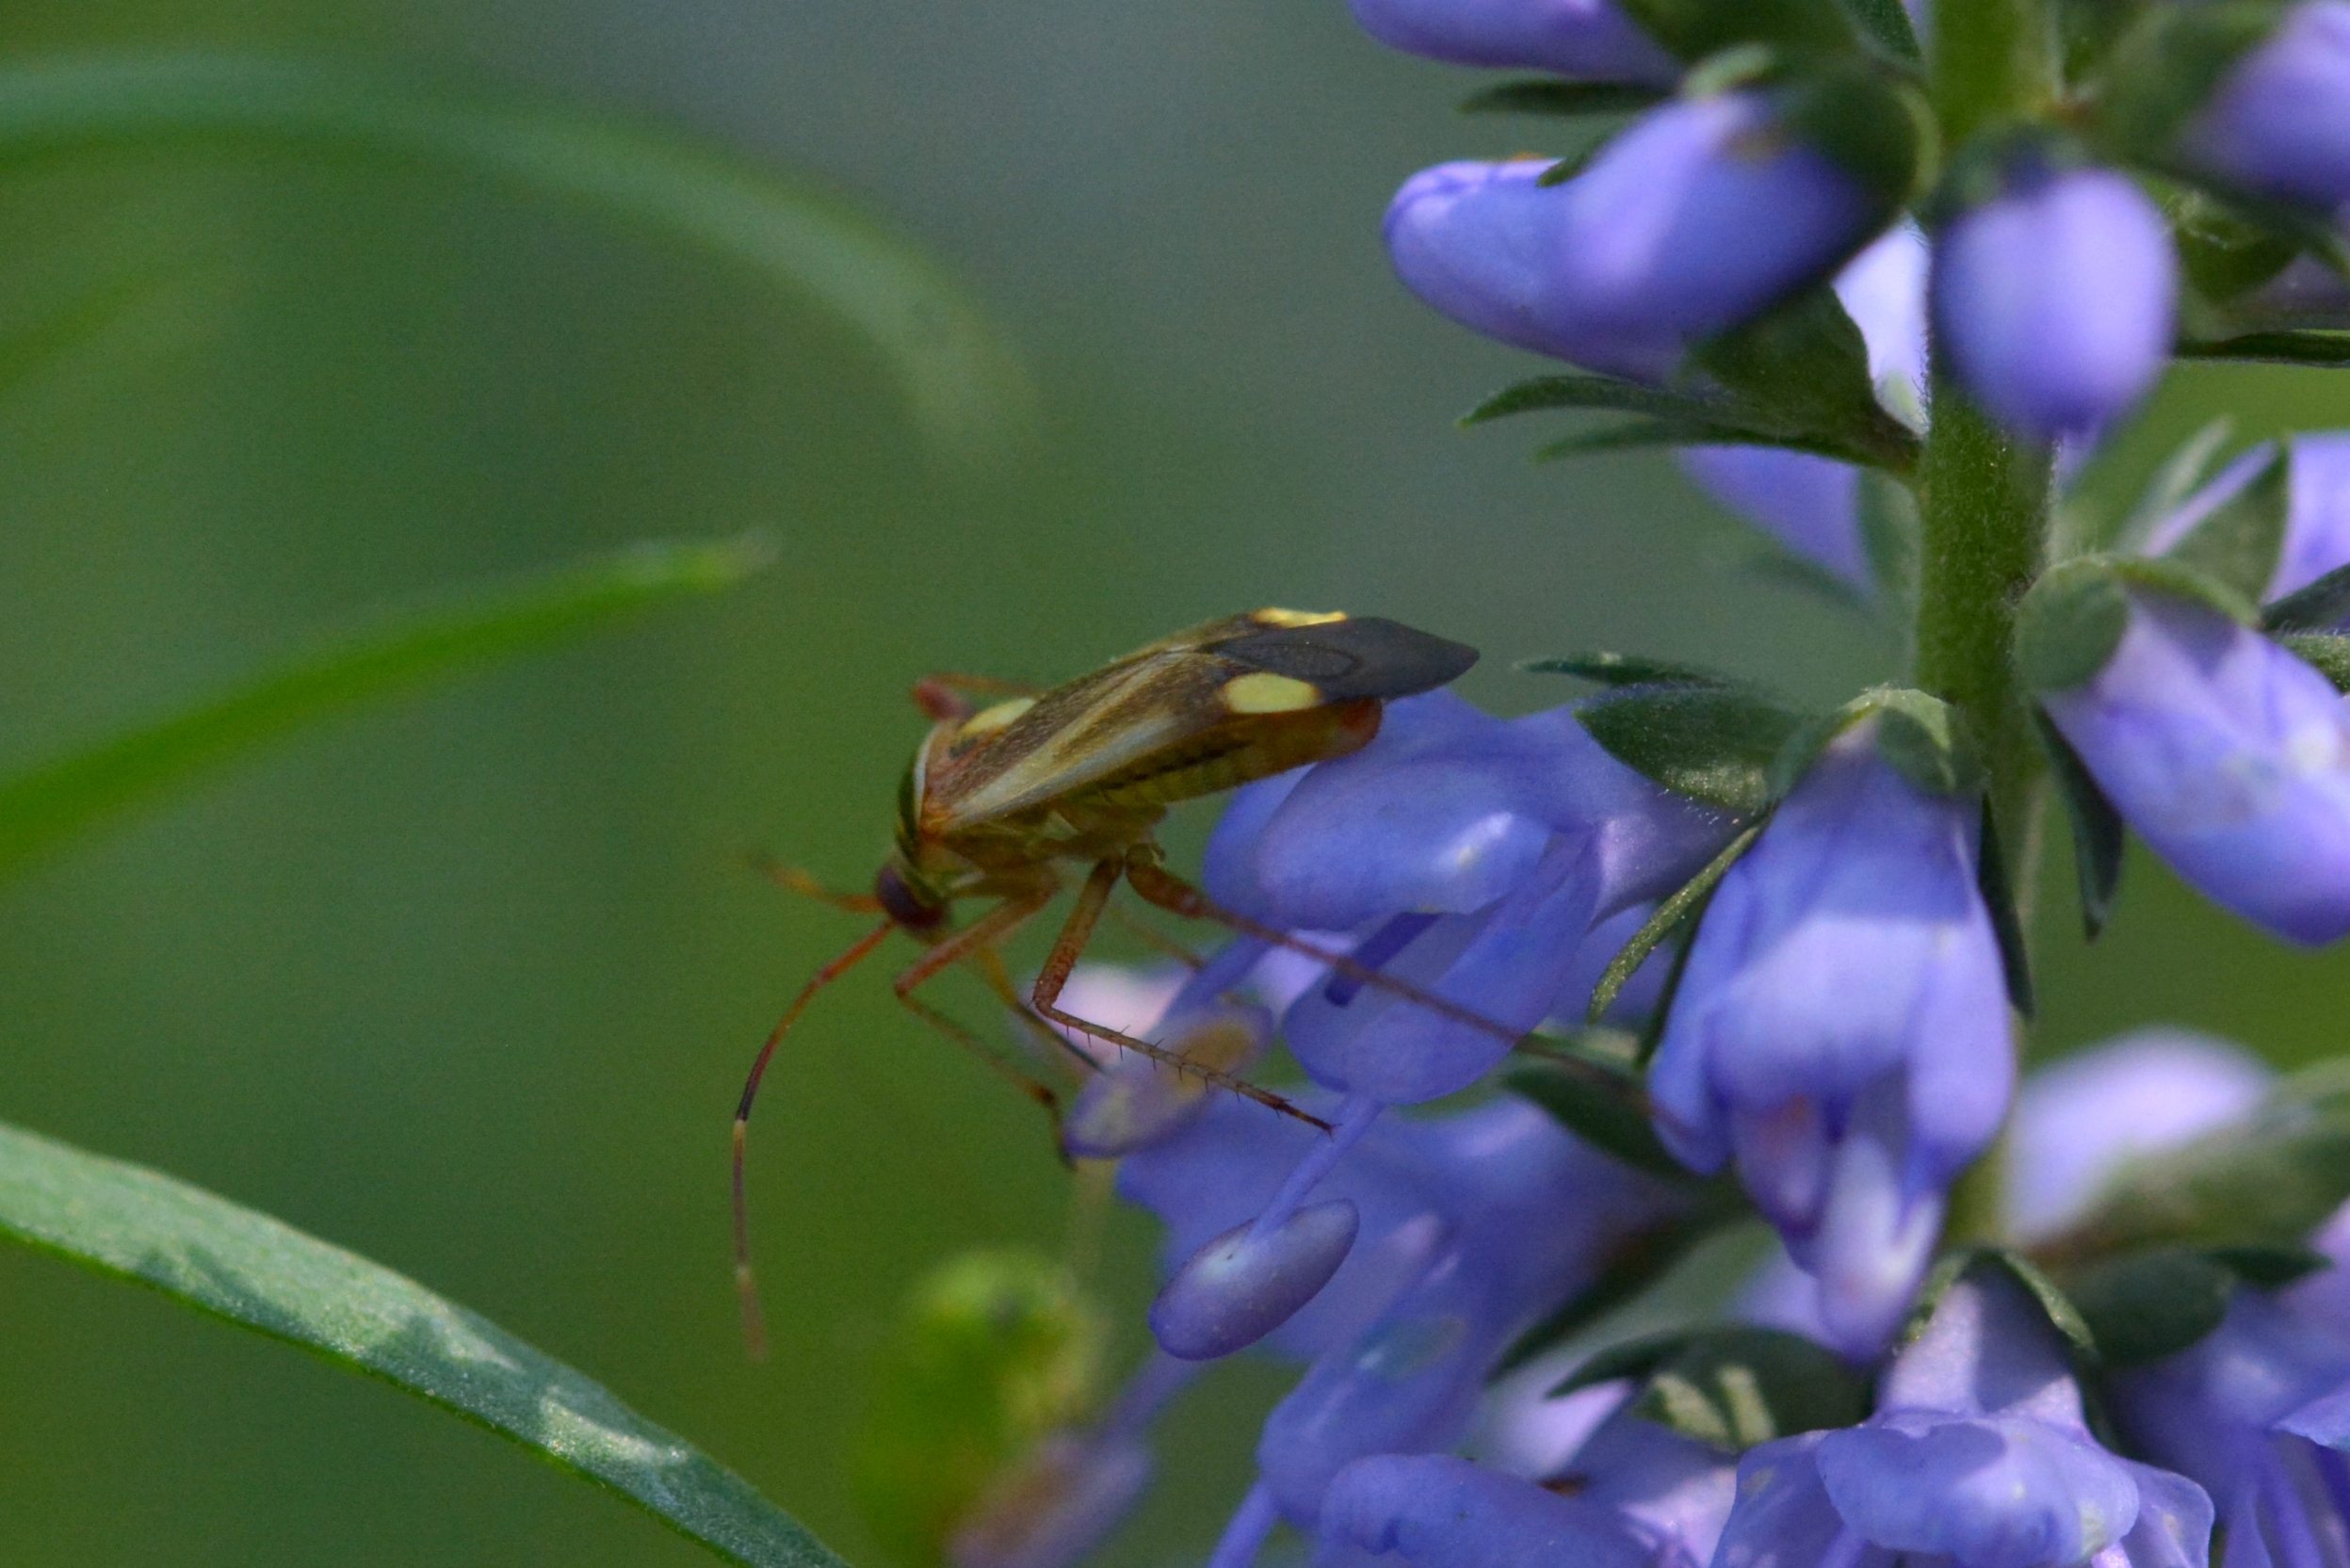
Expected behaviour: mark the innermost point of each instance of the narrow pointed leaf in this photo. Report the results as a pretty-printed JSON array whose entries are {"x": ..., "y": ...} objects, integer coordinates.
[
  {"x": 1683, "y": 905},
  {"x": 1999, "y": 897},
  {"x": 964, "y": 386},
  {"x": 2184, "y": 469},
  {"x": 2319, "y": 607},
  {"x": 1598, "y": 1097},
  {"x": 53, "y": 800},
  {"x": 1804, "y": 366},
  {"x": 2098, "y": 837},
  {"x": 1610, "y": 394},
  {"x": 1551, "y": 96},
  {"x": 1634, "y": 435},
  {"x": 1886, "y": 24},
  {"x": 2288, "y": 348},
  {"x": 2238, "y": 543},
  {"x": 1731, "y": 1386},
  {"x": 1603, "y": 668},
  {"x": 231, "y": 1263}
]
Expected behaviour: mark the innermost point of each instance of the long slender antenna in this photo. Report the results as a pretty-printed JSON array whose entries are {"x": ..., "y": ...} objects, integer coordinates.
[{"x": 753, "y": 1331}]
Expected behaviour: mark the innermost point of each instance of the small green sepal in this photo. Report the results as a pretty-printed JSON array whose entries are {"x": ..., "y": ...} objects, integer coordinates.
[
  {"x": 2055, "y": 1305},
  {"x": 2149, "y": 1304},
  {"x": 2238, "y": 545},
  {"x": 1999, "y": 897},
  {"x": 1731, "y": 1386},
  {"x": 2098, "y": 834},
  {"x": 1591, "y": 1085},
  {"x": 1686, "y": 907},
  {"x": 1711, "y": 743},
  {"x": 2165, "y": 69},
  {"x": 2318, "y": 606},
  {"x": 2327, "y": 653},
  {"x": 1805, "y": 364}
]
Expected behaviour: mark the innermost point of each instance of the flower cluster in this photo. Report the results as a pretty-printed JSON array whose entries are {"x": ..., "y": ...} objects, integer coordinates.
[{"x": 1887, "y": 279}]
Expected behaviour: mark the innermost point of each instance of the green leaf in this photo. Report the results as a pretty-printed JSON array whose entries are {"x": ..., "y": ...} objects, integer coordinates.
[
  {"x": 2329, "y": 652},
  {"x": 51, "y": 801},
  {"x": 1633, "y": 435},
  {"x": 2069, "y": 624},
  {"x": 1732, "y": 1386},
  {"x": 1548, "y": 95},
  {"x": 1598, "y": 1096},
  {"x": 1999, "y": 897},
  {"x": 1886, "y": 24},
  {"x": 965, "y": 385},
  {"x": 1686, "y": 905},
  {"x": 1805, "y": 364},
  {"x": 1711, "y": 743},
  {"x": 1924, "y": 739},
  {"x": 2175, "y": 479},
  {"x": 2098, "y": 836},
  {"x": 2318, "y": 606},
  {"x": 2021, "y": 1271},
  {"x": 2239, "y": 543},
  {"x": 2267, "y": 1179},
  {"x": 206, "y": 1253},
  {"x": 1692, "y": 29},
  {"x": 2270, "y": 1267},
  {"x": 1609, "y": 669},
  {"x": 1610, "y": 394},
  {"x": 2152, "y": 1304},
  {"x": 2285, "y": 348}
]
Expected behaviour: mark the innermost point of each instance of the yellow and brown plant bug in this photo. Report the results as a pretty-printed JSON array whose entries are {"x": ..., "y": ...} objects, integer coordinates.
[{"x": 996, "y": 798}]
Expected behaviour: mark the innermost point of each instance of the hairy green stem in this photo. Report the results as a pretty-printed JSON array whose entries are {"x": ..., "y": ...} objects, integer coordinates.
[{"x": 1982, "y": 504}]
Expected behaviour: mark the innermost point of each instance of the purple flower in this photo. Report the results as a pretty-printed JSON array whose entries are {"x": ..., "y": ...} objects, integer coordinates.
[
  {"x": 1978, "y": 1457},
  {"x": 2276, "y": 125},
  {"x": 1436, "y": 1512},
  {"x": 2229, "y": 756},
  {"x": 2317, "y": 521},
  {"x": 2257, "y": 1412},
  {"x": 1841, "y": 1032},
  {"x": 1703, "y": 214},
  {"x": 2080, "y": 1118},
  {"x": 1471, "y": 856},
  {"x": 2317, "y": 518},
  {"x": 1811, "y": 505},
  {"x": 1590, "y": 39},
  {"x": 2055, "y": 298}
]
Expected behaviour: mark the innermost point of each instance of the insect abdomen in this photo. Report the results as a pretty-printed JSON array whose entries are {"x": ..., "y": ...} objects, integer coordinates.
[{"x": 1241, "y": 751}]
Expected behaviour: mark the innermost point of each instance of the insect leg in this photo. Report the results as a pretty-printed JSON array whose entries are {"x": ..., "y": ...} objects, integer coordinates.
[
  {"x": 979, "y": 938},
  {"x": 1075, "y": 933},
  {"x": 792, "y": 880},
  {"x": 1160, "y": 886},
  {"x": 990, "y": 964},
  {"x": 754, "y": 1335}
]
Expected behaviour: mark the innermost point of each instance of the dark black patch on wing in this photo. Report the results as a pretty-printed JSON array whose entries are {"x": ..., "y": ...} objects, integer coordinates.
[{"x": 1360, "y": 657}]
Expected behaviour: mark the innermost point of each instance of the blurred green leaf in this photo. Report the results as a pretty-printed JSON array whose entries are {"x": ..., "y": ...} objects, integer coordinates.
[
  {"x": 220, "y": 1259},
  {"x": 2098, "y": 834},
  {"x": 1731, "y": 1386},
  {"x": 1687, "y": 904},
  {"x": 966, "y": 388},
  {"x": 1550, "y": 95},
  {"x": 1711, "y": 743},
  {"x": 54, "y": 799}
]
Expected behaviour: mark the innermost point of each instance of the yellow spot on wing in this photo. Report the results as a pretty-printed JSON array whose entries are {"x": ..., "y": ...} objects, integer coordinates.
[
  {"x": 1259, "y": 692},
  {"x": 1296, "y": 618},
  {"x": 989, "y": 719}
]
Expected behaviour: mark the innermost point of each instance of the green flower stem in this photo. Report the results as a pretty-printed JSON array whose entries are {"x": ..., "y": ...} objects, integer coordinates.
[
  {"x": 1990, "y": 59},
  {"x": 1983, "y": 506}
]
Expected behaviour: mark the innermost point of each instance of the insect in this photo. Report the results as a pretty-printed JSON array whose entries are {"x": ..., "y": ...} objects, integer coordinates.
[{"x": 998, "y": 799}]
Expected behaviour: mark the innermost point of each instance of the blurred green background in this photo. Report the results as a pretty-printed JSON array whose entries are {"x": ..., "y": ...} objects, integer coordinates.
[{"x": 469, "y": 983}]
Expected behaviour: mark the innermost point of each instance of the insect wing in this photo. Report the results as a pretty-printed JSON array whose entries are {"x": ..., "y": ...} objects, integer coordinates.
[{"x": 1172, "y": 695}]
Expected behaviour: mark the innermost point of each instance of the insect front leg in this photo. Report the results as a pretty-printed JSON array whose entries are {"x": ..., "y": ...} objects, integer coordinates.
[
  {"x": 1075, "y": 933},
  {"x": 979, "y": 937}
]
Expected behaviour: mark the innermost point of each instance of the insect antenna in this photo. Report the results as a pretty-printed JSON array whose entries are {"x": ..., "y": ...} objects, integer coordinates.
[
  {"x": 753, "y": 1331},
  {"x": 792, "y": 880}
]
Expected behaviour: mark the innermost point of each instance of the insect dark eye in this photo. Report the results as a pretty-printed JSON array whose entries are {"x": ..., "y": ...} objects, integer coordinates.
[{"x": 901, "y": 903}]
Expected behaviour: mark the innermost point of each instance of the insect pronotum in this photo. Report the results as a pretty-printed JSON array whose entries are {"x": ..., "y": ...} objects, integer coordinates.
[{"x": 996, "y": 798}]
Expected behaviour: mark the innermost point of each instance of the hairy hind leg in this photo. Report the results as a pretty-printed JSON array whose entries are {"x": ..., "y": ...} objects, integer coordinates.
[
  {"x": 1158, "y": 885},
  {"x": 1079, "y": 930},
  {"x": 979, "y": 938}
]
